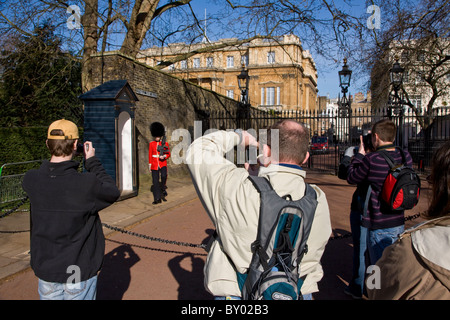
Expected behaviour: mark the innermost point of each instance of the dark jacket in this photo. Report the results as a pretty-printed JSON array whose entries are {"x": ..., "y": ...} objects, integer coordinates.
[
  {"x": 360, "y": 194},
  {"x": 65, "y": 225}
]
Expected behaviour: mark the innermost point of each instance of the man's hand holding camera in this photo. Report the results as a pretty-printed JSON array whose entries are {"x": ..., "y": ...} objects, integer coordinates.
[{"x": 85, "y": 149}]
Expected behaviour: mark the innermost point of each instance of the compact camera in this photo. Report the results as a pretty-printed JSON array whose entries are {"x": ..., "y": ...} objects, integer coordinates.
[
  {"x": 80, "y": 148},
  {"x": 367, "y": 140}
]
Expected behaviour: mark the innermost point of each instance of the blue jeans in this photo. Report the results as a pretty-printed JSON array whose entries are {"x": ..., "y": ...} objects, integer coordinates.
[
  {"x": 84, "y": 290},
  {"x": 379, "y": 239},
  {"x": 359, "y": 236}
]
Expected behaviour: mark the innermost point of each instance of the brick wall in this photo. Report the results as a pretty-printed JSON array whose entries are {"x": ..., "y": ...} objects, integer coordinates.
[{"x": 177, "y": 103}]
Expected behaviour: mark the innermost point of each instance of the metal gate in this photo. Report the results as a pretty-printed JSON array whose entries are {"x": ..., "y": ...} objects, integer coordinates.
[{"x": 332, "y": 132}]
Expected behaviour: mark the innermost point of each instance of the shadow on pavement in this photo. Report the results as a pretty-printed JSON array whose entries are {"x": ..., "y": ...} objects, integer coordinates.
[{"x": 115, "y": 276}]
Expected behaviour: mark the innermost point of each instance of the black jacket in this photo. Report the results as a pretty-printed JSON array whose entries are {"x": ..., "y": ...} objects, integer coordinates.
[{"x": 65, "y": 225}]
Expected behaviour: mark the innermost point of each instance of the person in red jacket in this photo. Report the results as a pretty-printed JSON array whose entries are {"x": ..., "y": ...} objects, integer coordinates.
[{"x": 158, "y": 153}]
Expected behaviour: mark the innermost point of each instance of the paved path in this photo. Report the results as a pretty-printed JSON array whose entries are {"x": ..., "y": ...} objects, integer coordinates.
[{"x": 139, "y": 269}]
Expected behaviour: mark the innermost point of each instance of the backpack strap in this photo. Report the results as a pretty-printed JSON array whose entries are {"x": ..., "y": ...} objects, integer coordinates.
[
  {"x": 389, "y": 159},
  {"x": 261, "y": 184}
]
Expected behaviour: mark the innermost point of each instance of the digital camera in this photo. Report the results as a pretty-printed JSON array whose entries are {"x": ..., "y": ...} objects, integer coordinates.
[{"x": 367, "y": 140}]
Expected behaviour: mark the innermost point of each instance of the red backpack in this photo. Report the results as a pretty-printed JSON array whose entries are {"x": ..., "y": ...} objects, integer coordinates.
[{"x": 401, "y": 188}]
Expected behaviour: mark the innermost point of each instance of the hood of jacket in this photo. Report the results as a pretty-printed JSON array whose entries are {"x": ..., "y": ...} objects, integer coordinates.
[{"x": 431, "y": 241}]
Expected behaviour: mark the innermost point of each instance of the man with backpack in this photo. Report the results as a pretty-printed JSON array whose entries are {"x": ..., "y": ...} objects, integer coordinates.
[
  {"x": 383, "y": 222},
  {"x": 234, "y": 202}
]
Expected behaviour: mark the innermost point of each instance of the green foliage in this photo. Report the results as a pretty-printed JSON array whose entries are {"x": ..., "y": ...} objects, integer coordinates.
[
  {"x": 23, "y": 144},
  {"x": 40, "y": 82}
]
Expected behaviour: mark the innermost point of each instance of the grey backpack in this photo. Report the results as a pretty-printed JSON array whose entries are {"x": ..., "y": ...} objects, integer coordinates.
[{"x": 283, "y": 229}]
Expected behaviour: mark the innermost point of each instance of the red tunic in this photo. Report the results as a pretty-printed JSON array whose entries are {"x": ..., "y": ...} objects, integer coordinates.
[{"x": 153, "y": 156}]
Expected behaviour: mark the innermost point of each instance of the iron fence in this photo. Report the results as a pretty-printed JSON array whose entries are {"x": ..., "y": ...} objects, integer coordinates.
[
  {"x": 11, "y": 176},
  {"x": 343, "y": 129}
]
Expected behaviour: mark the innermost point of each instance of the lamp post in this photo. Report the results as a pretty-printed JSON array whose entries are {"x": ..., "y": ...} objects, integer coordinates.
[
  {"x": 396, "y": 96},
  {"x": 344, "y": 103},
  {"x": 243, "y": 112},
  {"x": 243, "y": 80}
]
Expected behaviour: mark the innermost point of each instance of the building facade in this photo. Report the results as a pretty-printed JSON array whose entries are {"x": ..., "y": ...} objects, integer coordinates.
[{"x": 282, "y": 76}]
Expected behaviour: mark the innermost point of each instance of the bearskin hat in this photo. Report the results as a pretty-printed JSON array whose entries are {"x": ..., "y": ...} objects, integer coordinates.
[{"x": 157, "y": 129}]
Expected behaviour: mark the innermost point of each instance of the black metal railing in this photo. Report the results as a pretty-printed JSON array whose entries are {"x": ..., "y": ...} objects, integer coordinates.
[{"x": 421, "y": 134}]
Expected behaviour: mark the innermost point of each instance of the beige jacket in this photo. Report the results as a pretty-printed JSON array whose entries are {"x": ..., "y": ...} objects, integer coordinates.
[
  {"x": 417, "y": 266},
  {"x": 232, "y": 203}
]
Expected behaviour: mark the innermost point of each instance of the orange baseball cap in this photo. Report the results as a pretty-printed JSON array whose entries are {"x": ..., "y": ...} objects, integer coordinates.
[{"x": 68, "y": 128}]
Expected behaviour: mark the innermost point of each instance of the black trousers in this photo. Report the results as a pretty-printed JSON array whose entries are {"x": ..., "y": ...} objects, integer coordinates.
[{"x": 159, "y": 185}]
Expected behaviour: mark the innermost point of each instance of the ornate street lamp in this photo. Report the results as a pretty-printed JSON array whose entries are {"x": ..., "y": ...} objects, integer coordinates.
[
  {"x": 396, "y": 74},
  {"x": 243, "y": 80},
  {"x": 345, "y": 76},
  {"x": 396, "y": 98},
  {"x": 243, "y": 114}
]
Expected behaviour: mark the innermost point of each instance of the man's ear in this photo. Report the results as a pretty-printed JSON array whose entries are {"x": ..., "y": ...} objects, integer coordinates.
[
  {"x": 306, "y": 158},
  {"x": 75, "y": 144},
  {"x": 267, "y": 152}
]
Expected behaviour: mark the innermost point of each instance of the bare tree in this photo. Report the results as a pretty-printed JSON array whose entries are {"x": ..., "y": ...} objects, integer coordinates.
[
  {"x": 416, "y": 33},
  {"x": 128, "y": 25}
]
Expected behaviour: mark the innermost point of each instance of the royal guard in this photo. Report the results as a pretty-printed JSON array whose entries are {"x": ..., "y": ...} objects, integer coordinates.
[{"x": 158, "y": 153}]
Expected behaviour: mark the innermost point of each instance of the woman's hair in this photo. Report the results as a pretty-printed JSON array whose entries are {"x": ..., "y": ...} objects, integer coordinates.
[{"x": 440, "y": 182}]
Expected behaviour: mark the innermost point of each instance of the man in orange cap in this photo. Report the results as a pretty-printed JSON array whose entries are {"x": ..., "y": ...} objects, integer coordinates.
[{"x": 67, "y": 242}]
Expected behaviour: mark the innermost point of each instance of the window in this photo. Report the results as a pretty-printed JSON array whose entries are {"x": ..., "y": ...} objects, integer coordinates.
[
  {"x": 209, "y": 62},
  {"x": 244, "y": 60},
  {"x": 230, "y": 94},
  {"x": 196, "y": 63},
  {"x": 416, "y": 100},
  {"x": 420, "y": 76},
  {"x": 270, "y": 96},
  {"x": 271, "y": 57},
  {"x": 183, "y": 64},
  {"x": 406, "y": 76},
  {"x": 230, "y": 62}
]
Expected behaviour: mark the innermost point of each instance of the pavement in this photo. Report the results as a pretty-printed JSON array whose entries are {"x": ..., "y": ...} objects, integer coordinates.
[
  {"x": 132, "y": 212},
  {"x": 15, "y": 238}
]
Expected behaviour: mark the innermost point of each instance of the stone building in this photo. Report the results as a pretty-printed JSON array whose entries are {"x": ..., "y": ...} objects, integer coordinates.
[{"x": 283, "y": 76}]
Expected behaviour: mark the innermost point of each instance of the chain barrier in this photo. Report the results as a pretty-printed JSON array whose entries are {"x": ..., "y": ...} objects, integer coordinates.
[
  {"x": 10, "y": 211},
  {"x": 143, "y": 236},
  {"x": 165, "y": 241}
]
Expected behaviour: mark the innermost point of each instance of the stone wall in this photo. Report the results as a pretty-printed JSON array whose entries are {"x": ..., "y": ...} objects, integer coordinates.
[{"x": 163, "y": 98}]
